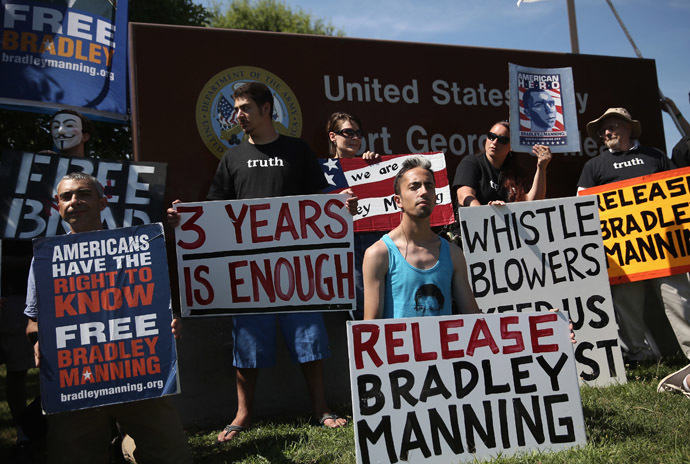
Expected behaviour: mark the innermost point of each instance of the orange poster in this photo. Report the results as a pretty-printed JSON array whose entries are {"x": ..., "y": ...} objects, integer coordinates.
[{"x": 645, "y": 225}]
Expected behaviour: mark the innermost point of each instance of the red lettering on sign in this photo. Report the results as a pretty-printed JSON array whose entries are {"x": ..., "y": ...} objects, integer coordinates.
[
  {"x": 237, "y": 221},
  {"x": 193, "y": 295},
  {"x": 190, "y": 225},
  {"x": 345, "y": 275},
  {"x": 420, "y": 355},
  {"x": 511, "y": 335},
  {"x": 256, "y": 223},
  {"x": 536, "y": 333},
  {"x": 278, "y": 279},
  {"x": 360, "y": 346},
  {"x": 309, "y": 221},
  {"x": 285, "y": 223},
  {"x": 481, "y": 328},
  {"x": 311, "y": 287},
  {"x": 324, "y": 287},
  {"x": 392, "y": 343},
  {"x": 447, "y": 338},
  {"x": 236, "y": 281},
  {"x": 328, "y": 209}
]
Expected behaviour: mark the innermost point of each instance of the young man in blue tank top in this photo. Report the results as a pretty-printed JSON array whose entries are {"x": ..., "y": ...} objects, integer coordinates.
[{"x": 411, "y": 271}]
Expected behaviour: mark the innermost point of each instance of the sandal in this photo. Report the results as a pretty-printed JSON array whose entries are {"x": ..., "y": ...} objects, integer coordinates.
[{"x": 232, "y": 428}]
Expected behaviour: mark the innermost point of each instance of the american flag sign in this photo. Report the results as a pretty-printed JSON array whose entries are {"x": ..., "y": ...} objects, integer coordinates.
[{"x": 372, "y": 182}]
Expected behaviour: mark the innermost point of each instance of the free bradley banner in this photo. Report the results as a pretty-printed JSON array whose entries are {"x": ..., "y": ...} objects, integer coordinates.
[
  {"x": 104, "y": 314},
  {"x": 65, "y": 53},
  {"x": 28, "y": 186},
  {"x": 542, "y": 109},
  {"x": 372, "y": 182}
]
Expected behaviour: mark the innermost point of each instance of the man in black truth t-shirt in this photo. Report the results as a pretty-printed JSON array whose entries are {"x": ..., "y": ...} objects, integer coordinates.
[
  {"x": 625, "y": 159},
  {"x": 267, "y": 164}
]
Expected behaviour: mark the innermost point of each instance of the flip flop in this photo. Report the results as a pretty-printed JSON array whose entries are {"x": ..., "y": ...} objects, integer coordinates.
[
  {"x": 325, "y": 417},
  {"x": 232, "y": 428}
]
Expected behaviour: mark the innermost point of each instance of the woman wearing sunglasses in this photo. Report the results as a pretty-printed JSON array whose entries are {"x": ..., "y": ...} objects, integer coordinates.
[
  {"x": 493, "y": 177},
  {"x": 345, "y": 136},
  {"x": 345, "y": 139}
]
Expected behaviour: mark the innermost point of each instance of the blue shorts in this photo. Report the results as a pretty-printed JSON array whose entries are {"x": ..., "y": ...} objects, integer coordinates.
[{"x": 254, "y": 338}]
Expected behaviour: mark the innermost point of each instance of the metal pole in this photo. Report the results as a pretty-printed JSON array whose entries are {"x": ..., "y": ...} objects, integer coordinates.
[
  {"x": 639, "y": 55},
  {"x": 572, "y": 22}
]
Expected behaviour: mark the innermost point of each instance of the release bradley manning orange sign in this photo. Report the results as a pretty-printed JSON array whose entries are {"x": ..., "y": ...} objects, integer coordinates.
[{"x": 645, "y": 224}]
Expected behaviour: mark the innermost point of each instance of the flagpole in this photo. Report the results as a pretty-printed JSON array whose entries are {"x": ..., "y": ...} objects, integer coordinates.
[
  {"x": 572, "y": 22},
  {"x": 639, "y": 55}
]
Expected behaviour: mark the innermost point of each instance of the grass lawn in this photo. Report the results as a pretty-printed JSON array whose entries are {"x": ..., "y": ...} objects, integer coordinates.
[
  {"x": 625, "y": 424},
  {"x": 629, "y": 423}
]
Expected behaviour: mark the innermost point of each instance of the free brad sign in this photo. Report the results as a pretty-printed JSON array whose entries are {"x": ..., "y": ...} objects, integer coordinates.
[
  {"x": 269, "y": 255},
  {"x": 457, "y": 388},
  {"x": 104, "y": 316},
  {"x": 645, "y": 224},
  {"x": 537, "y": 255},
  {"x": 28, "y": 190}
]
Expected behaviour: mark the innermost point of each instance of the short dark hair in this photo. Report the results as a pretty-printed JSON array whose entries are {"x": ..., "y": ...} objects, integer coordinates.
[
  {"x": 86, "y": 126},
  {"x": 527, "y": 96},
  {"x": 428, "y": 290},
  {"x": 335, "y": 122},
  {"x": 257, "y": 91},
  {"x": 411, "y": 163},
  {"x": 503, "y": 123},
  {"x": 87, "y": 177}
]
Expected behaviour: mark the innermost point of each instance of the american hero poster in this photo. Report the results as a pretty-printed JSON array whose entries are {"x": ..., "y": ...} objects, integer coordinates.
[
  {"x": 461, "y": 388},
  {"x": 266, "y": 255},
  {"x": 645, "y": 225},
  {"x": 538, "y": 255},
  {"x": 28, "y": 187},
  {"x": 104, "y": 317},
  {"x": 542, "y": 109},
  {"x": 372, "y": 183},
  {"x": 68, "y": 53}
]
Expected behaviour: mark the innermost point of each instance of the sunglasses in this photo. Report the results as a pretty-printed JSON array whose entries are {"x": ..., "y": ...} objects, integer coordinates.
[
  {"x": 502, "y": 139},
  {"x": 609, "y": 127},
  {"x": 349, "y": 133}
]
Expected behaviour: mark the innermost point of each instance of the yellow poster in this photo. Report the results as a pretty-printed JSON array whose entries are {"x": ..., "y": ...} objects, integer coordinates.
[{"x": 645, "y": 225}]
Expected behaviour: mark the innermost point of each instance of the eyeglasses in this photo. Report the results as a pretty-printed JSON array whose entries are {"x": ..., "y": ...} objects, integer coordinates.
[
  {"x": 349, "y": 133},
  {"x": 502, "y": 139},
  {"x": 609, "y": 127}
]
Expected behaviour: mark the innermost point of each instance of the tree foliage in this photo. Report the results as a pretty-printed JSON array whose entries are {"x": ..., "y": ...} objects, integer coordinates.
[
  {"x": 177, "y": 12},
  {"x": 269, "y": 15}
]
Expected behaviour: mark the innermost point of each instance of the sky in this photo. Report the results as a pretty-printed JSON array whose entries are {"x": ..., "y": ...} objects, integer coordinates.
[{"x": 659, "y": 28}]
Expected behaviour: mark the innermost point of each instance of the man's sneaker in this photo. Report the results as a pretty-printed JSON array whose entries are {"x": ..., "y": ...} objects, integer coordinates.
[{"x": 674, "y": 382}]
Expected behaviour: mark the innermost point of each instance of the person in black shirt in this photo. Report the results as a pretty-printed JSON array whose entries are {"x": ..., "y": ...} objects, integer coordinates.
[
  {"x": 268, "y": 164},
  {"x": 626, "y": 159},
  {"x": 492, "y": 177}
]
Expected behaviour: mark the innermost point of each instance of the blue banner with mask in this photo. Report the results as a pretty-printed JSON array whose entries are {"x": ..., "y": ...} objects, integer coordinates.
[
  {"x": 65, "y": 53},
  {"x": 104, "y": 318}
]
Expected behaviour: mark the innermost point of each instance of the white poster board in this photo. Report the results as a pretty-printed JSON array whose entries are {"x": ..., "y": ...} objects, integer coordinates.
[
  {"x": 533, "y": 256},
  {"x": 457, "y": 388},
  {"x": 267, "y": 255}
]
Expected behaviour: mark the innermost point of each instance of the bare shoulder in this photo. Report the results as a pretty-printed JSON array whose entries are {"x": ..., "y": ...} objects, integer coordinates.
[
  {"x": 376, "y": 253},
  {"x": 456, "y": 252}
]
